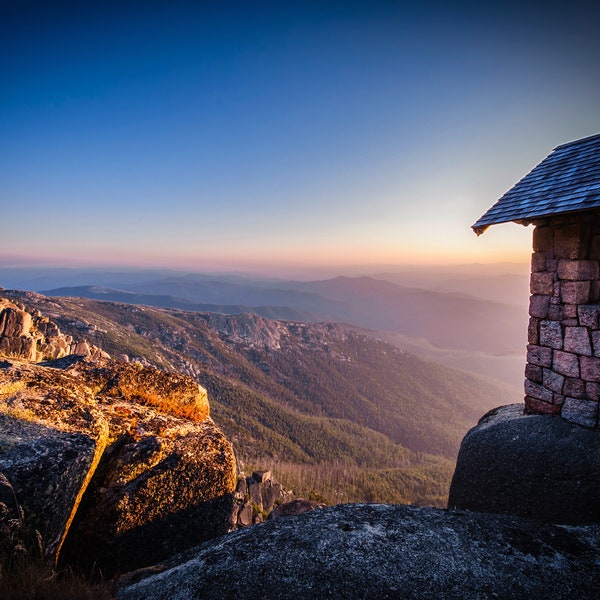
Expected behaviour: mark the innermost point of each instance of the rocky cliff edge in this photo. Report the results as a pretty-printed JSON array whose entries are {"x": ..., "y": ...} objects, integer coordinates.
[
  {"x": 114, "y": 464},
  {"x": 374, "y": 551}
]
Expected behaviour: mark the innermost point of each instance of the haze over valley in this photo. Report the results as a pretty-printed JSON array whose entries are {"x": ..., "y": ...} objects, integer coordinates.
[{"x": 429, "y": 316}]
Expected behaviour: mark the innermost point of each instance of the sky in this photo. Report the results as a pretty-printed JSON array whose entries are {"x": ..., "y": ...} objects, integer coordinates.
[{"x": 247, "y": 135}]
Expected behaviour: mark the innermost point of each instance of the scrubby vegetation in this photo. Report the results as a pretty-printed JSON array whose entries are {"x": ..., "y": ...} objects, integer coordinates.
[{"x": 425, "y": 483}]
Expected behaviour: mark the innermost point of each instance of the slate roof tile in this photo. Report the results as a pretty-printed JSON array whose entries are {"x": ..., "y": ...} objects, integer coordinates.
[{"x": 567, "y": 180}]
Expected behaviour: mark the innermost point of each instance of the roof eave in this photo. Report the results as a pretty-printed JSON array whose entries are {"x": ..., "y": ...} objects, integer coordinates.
[{"x": 479, "y": 229}]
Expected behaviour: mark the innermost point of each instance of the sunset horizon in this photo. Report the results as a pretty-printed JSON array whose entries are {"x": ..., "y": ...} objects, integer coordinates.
[{"x": 272, "y": 136}]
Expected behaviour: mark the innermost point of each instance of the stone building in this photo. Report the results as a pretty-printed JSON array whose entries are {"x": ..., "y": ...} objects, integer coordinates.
[{"x": 561, "y": 198}]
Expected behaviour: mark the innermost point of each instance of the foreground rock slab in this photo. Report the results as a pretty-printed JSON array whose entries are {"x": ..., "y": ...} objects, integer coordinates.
[
  {"x": 50, "y": 469},
  {"x": 386, "y": 551},
  {"x": 537, "y": 466},
  {"x": 116, "y": 465}
]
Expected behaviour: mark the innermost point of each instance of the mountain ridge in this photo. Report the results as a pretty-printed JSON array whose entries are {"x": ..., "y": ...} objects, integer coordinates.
[
  {"x": 447, "y": 319},
  {"x": 325, "y": 396}
]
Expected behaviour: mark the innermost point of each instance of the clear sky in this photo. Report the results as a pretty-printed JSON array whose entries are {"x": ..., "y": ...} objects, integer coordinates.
[{"x": 225, "y": 134}]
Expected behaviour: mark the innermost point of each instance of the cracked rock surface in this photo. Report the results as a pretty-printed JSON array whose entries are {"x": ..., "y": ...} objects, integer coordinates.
[{"x": 385, "y": 551}]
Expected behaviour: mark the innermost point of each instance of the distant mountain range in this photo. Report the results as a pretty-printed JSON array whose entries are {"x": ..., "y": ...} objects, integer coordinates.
[
  {"x": 445, "y": 319},
  {"x": 472, "y": 317},
  {"x": 345, "y": 410}
]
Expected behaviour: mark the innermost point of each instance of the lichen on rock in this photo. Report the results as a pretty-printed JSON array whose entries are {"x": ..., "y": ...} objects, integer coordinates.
[{"x": 374, "y": 551}]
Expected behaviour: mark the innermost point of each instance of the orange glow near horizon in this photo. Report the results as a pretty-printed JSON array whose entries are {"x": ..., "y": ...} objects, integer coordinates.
[{"x": 427, "y": 245}]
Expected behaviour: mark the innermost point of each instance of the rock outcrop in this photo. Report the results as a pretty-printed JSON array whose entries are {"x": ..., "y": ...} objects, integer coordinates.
[
  {"x": 34, "y": 337},
  {"x": 256, "y": 497},
  {"x": 115, "y": 464},
  {"x": 538, "y": 466},
  {"x": 385, "y": 551}
]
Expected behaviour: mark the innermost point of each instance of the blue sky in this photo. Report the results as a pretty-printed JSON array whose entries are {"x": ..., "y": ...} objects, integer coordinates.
[{"x": 263, "y": 134}]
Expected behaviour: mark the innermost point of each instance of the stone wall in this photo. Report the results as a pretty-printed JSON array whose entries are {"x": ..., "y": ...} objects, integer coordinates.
[{"x": 563, "y": 355}]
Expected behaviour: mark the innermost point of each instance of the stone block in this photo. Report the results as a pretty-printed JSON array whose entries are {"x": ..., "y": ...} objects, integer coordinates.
[
  {"x": 594, "y": 291},
  {"x": 534, "y": 373},
  {"x": 577, "y": 340},
  {"x": 533, "y": 332},
  {"x": 590, "y": 368},
  {"x": 538, "y": 355},
  {"x": 543, "y": 239},
  {"x": 569, "y": 311},
  {"x": 535, "y": 390},
  {"x": 551, "y": 381},
  {"x": 575, "y": 388},
  {"x": 575, "y": 292},
  {"x": 539, "y": 407},
  {"x": 14, "y": 322},
  {"x": 49, "y": 470},
  {"x": 555, "y": 311},
  {"x": 269, "y": 495},
  {"x": 570, "y": 323},
  {"x": 581, "y": 412},
  {"x": 595, "y": 248},
  {"x": 244, "y": 518},
  {"x": 592, "y": 390},
  {"x": 588, "y": 315},
  {"x": 538, "y": 262},
  {"x": 541, "y": 283},
  {"x": 572, "y": 241},
  {"x": 538, "y": 306},
  {"x": 578, "y": 270},
  {"x": 596, "y": 342},
  {"x": 558, "y": 399},
  {"x": 565, "y": 363},
  {"x": 551, "y": 334}
]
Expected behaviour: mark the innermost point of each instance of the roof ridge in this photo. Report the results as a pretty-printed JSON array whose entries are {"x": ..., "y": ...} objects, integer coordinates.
[{"x": 579, "y": 141}]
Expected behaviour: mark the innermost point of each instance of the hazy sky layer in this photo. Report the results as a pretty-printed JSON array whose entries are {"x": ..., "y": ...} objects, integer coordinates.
[{"x": 215, "y": 135}]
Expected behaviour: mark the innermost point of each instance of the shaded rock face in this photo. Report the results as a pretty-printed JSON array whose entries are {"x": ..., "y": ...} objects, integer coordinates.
[
  {"x": 36, "y": 338},
  {"x": 116, "y": 465},
  {"x": 531, "y": 465},
  {"x": 49, "y": 468},
  {"x": 154, "y": 496},
  {"x": 386, "y": 551}
]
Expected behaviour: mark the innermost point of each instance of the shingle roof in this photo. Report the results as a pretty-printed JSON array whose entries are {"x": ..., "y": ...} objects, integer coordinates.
[{"x": 565, "y": 181}]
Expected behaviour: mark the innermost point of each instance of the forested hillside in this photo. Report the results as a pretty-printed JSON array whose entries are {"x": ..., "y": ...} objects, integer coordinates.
[{"x": 330, "y": 411}]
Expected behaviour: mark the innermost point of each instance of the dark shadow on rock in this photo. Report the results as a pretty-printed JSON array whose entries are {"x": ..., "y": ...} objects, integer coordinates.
[
  {"x": 47, "y": 468},
  {"x": 145, "y": 545},
  {"x": 103, "y": 539},
  {"x": 536, "y": 466},
  {"x": 63, "y": 363}
]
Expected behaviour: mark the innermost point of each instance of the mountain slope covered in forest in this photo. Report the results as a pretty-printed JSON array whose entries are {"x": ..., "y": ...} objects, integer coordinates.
[{"x": 319, "y": 401}]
